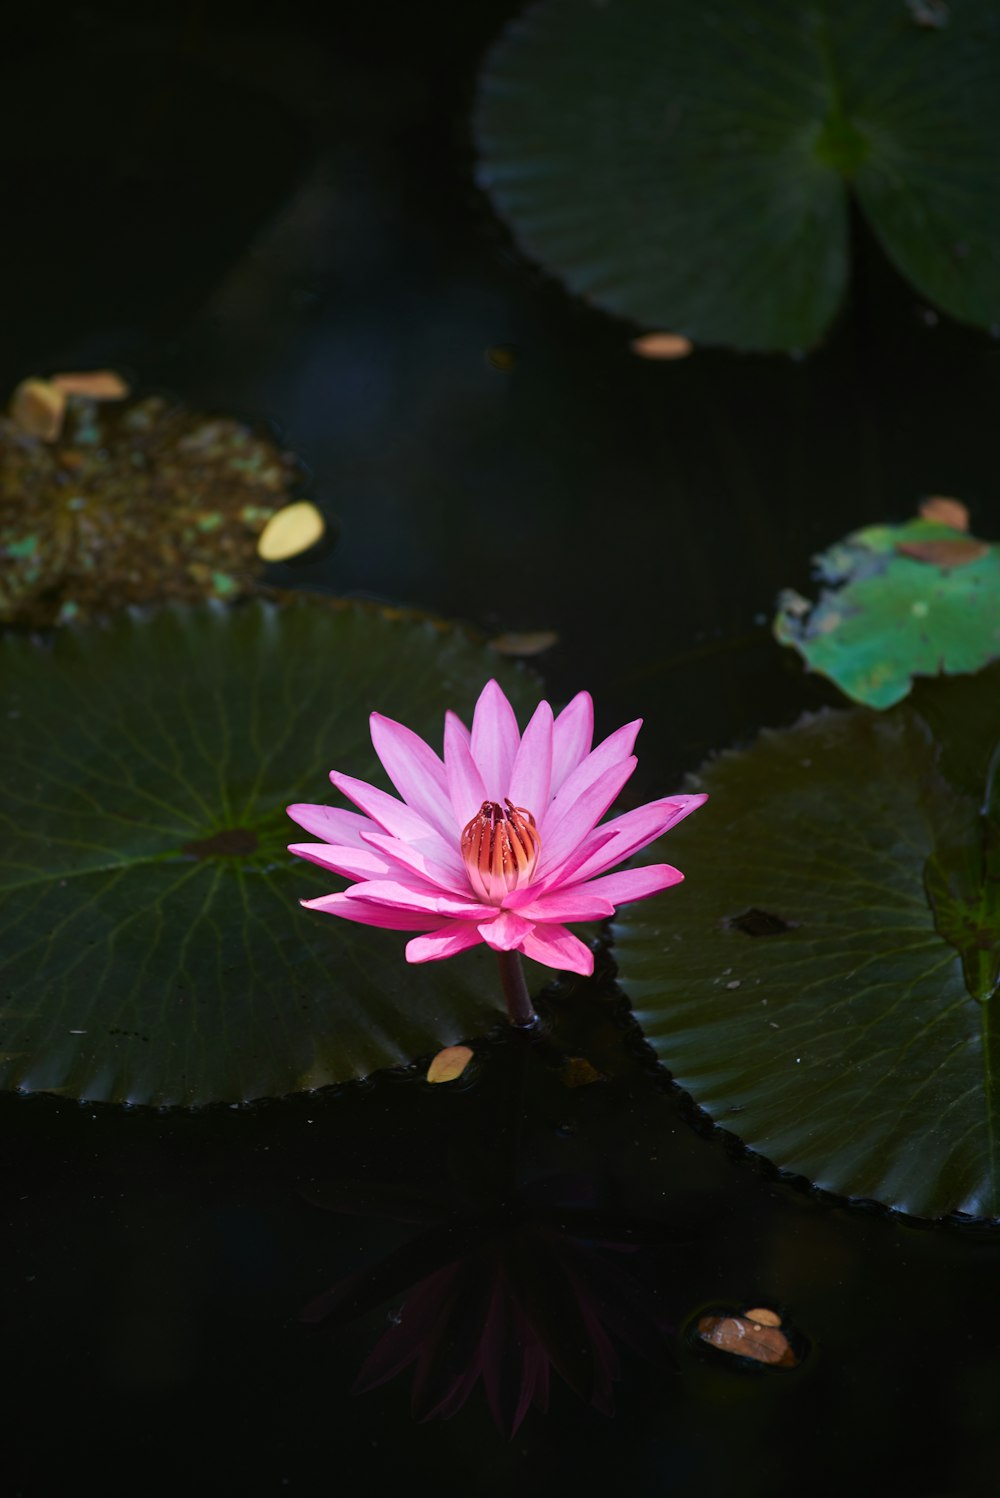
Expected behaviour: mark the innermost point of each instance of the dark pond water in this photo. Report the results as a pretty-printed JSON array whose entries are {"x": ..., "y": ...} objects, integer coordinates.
[{"x": 277, "y": 218}]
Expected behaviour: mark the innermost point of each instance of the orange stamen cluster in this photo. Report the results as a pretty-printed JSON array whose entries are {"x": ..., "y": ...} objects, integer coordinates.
[{"x": 500, "y": 848}]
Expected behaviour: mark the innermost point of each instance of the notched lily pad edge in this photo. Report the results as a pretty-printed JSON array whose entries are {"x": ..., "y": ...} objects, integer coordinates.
[{"x": 740, "y": 1154}]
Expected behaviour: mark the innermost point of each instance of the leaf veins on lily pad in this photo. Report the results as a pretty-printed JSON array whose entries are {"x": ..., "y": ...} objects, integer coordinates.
[
  {"x": 860, "y": 1045},
  {"x": 902, "y": 601},
  {"x": 692, "y": 166},
  {"x": 132, "y": 503},
  {"x": 153, "y": 947}
]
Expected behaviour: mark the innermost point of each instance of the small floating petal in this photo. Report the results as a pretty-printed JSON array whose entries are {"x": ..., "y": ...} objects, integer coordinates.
[
  {"x": 290, "y": 531},
  {"x": 94, "y": 384},
  {"x": 38, "y": 409},
  {"x": 449, "y": 1064},
  {"x": 662, "y": 346}
]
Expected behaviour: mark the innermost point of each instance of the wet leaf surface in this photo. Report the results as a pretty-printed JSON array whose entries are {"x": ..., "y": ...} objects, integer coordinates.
[
  {"x": 857, "y": 1045},
  {"x": 690, "y": 166},
  {"x": 154, "y": 948},
  {"x": 904, "y": 601}
]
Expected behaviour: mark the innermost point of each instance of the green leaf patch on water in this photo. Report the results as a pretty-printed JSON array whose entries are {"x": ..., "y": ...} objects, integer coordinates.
[
  {"x": 153, "y": 947},
  {"x": 825, "y": 982},
  {"x": 903, "y": 601},
  {"x": 691, "y": 166}
]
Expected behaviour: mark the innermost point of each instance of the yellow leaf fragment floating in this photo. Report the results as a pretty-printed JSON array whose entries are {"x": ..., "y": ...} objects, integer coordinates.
[
  {"x": 945, "y": 511},
  {"x": 290, "y": 531},
  {"x": 764, "y": 1316},
  {"x": 528, "y": 642},
  {"x": 449, "y": 1063},
  {"x": 38, "y": 409},
  {"x": 761, "y": 1342},
  {"x": 662, "y": 346},
  {"x": 94, "y": 384}
]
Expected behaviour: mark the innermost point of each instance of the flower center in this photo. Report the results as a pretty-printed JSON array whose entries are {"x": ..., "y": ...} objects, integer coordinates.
[{"x": 500, "y": 849}]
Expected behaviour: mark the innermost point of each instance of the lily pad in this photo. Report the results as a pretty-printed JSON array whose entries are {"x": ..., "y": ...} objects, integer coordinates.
[
  {"x": 825, "y": 982},
  {"x": 904, "y": 601},
  {"x": 154, "y": 950},
  {"x": 690, "y": 166},
  {"x": 131, "y": 504}
]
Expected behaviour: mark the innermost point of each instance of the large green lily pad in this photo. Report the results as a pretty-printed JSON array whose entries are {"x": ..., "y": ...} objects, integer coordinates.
[
  {"x": 154, "y": 950},
  {"x": 690, "y": 166},
  {"x": 825, "y": 982},
  {"x": 903, "y": 601}
]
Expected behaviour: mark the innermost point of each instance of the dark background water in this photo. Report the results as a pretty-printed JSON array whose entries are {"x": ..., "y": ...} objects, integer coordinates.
[{"x": 275, "y": 215}]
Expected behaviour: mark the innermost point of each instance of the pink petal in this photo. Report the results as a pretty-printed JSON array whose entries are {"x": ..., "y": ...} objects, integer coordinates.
[
  {"x": 354, "y": 863},
  {"x": 397, "y": 856},
  {"x": 332, "y": 824},
  {"x": 529, "y": 779},
  {"x": 494, "y": 740},
  {"x": 628, "y": 833},
  {"x": 615, "y": 748},
  {"x": 577, "y": 818},
  {"x": 505, "y": 932},
  {"x": 559, "y": 948},
  {"x": 568, "y": 905},
  {"x": 633, "y": 884},
  {"x": 564, "y": 873},
  {"x": 457, "y": 726},
  {"x": 465, "y": 784},
  {"x": 414, "y": 897},
  {"x": 415, "y": 771},
  {"x": 446, "y": 941},
  {"x": 572, "y": 736},
  {"x": 397, "y": 818},
  {"x": 370, "y": 915}
]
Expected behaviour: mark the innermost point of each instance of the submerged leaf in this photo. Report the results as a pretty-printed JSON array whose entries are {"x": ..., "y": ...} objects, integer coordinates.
[
  {"x": 859, "y": 1043},
  {"x": 905, "y": 600},
  {"x": 761, "y": 1341},
  {"x": 153, "y": 947}
]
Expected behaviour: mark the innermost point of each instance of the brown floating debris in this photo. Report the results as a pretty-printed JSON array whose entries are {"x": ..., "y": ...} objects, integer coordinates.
[
  {"x": 943, "y": 552},
  {"x": 502, "y": 357},
  {"x": 449, "y": 1063},
  {"x": 662, "y": 346},
  {"x": 94, "y": 384},
  {"x": 129, "y": 502},
  {"x": 37, "y": 408},
  {"x": 290, "y": 531},
  {"x": 578, "y": 1072},
  {"x": 528, "y": 642},
  {"x": 945, "y": 511},
  {"x": 761, "y": 1342},
  {"x": 754, "y": 922}
]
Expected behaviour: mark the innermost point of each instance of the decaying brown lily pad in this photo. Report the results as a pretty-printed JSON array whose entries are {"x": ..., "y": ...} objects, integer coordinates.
[{"x": 133, "y": 502}]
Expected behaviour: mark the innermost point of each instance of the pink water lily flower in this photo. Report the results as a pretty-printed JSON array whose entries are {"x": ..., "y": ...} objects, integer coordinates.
[{"x": 500, "y": 842}]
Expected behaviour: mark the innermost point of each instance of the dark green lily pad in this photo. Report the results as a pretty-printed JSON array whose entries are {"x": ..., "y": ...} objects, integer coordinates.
[
  {"x": 825, "y": 982},
  {"x": 906, "y": 600},
  {"x": 689, "y": 166},
  {"x": 154, "y": 950}
]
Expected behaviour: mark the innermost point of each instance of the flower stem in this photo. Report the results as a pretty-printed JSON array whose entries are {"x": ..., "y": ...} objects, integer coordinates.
[{"x": 515, "y": 990}]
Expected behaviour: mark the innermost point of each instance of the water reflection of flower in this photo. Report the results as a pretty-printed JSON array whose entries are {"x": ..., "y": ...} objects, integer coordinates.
[{"x": 512, "y": 1302}]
